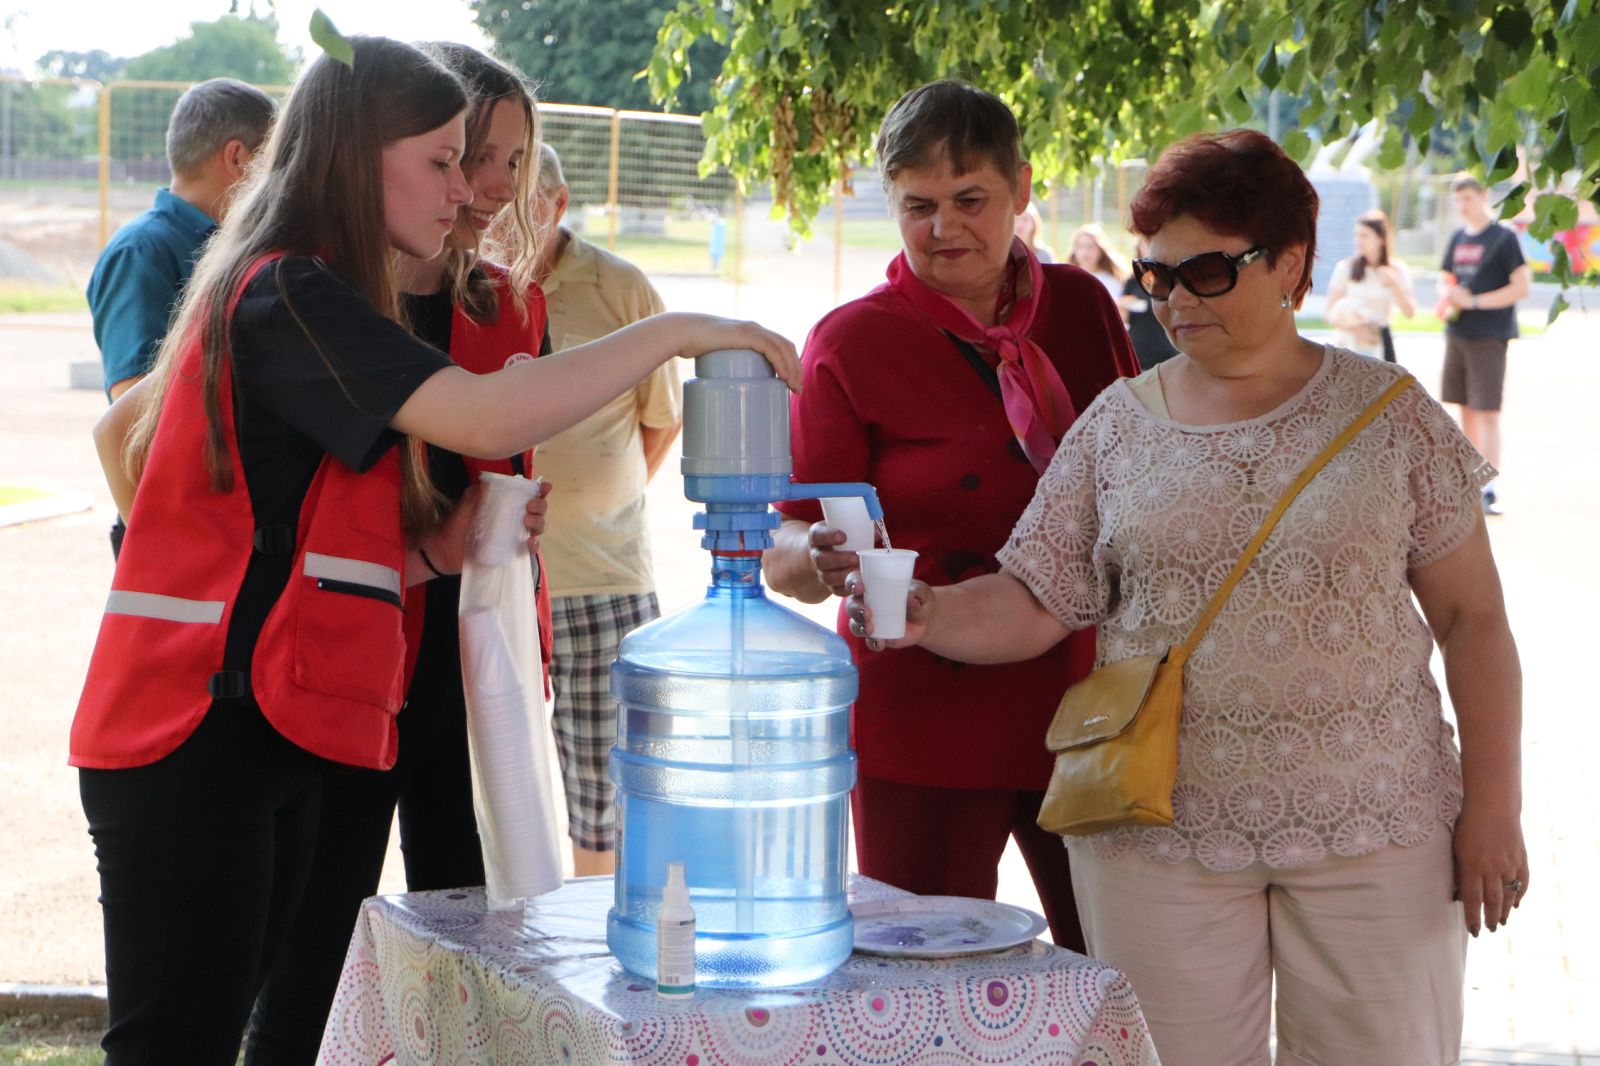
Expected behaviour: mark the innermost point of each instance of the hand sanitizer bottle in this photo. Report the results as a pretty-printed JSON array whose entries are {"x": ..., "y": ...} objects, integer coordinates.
[{"x": 675, "y": 938}]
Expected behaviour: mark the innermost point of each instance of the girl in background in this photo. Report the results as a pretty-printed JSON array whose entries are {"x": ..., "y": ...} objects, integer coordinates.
[
  {"x": 1091, "y": 252},
  {"x": 1366, "y": 290}
]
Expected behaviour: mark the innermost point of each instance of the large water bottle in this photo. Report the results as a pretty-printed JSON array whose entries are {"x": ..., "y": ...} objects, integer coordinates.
[{"x": 733, "y": 742}]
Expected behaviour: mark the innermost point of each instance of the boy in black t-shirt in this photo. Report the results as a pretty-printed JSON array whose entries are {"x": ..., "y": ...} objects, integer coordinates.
[{"x": 1485, "y": 275}]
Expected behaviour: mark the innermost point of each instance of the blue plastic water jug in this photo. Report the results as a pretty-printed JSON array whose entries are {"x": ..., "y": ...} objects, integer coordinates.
[{"x": 733, "y": 733}]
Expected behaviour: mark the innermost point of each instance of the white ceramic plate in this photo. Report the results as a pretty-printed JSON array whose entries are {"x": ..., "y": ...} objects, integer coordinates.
[{"x": 941, "y": 927}]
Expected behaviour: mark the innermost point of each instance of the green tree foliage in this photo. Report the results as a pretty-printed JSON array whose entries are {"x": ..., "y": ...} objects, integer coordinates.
[
  {"x": 1094, "y": 82},
  {"x": 231, "y": 47},
  {"x": 245, "y": 48},
  {"x": 40, "y": 122},
  {"x": 586, "y": 53},
  {"x": 97, "y": 64}
]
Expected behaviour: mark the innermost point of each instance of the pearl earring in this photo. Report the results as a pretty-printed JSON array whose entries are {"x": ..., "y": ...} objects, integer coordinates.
[{"x": 1284, "y": 301}]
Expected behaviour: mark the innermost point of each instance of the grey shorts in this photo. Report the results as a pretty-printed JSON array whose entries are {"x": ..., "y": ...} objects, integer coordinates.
[
  {"x": 1474, "y": 371},
  {"x": 587, "y": 631}
]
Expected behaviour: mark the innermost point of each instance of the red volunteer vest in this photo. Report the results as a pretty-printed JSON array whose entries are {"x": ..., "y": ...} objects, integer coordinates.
[
  {"x": 327, "y": 665},
  {"x": 484, "y": 347}
]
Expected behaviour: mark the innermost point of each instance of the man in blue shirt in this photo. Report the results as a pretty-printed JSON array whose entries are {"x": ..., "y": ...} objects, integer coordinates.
[{"x": 215, "y": 129}]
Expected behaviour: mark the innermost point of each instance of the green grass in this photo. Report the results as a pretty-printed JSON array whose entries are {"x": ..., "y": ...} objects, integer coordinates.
[
  {"x": 20, "y": 296},
  {"x": 682, "y": 249},
  {"x": 877, "y": 233},
  {"x": 1531, "y": 324},
  {"x": 19, "y": 493},
  {"x": 28, "y": 1041}
]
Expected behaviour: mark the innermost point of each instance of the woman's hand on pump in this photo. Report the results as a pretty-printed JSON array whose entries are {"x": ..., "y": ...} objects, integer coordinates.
[{"x": 709, "y": 333}]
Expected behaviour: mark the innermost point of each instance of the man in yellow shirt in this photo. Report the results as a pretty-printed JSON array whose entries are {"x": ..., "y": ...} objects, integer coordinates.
[{"x": 596, "y": 549}]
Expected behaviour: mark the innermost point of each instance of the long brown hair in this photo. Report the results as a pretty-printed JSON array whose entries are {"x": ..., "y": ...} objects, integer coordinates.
[
  {"x": 316, "y": 190},
  {"x": 1378, "y": 223},
  {"x": 488, "y": 82}
]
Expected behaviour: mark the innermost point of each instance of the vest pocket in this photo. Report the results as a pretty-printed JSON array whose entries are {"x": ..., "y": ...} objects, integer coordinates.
[{"x": 348, "y": 637}]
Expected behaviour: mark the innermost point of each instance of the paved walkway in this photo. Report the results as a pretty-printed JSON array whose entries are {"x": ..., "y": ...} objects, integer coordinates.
[{"x": 1534, "y": 994}]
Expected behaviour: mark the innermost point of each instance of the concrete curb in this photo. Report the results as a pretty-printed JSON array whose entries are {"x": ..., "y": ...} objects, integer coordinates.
[{"x": 53, "y": 1003}]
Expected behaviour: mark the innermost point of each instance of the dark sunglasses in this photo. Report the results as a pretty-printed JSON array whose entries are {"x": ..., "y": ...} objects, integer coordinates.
[{"x": 1208, "y": 274}]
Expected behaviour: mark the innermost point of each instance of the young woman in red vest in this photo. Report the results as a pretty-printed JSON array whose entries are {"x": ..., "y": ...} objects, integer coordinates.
[
  {"x": 253, "y": 634},
  {"x": 486, "y": 316}
]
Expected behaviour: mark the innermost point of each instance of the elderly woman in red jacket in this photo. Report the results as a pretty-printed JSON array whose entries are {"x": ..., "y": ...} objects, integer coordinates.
[{"x": 947, "y": 387}]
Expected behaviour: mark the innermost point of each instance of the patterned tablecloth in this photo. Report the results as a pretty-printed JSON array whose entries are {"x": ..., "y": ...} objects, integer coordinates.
[{"x": 436, "y": 977}]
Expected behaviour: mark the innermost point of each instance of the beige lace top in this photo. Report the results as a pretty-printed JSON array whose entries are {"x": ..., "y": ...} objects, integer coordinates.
[{"x": 1311, "y": 723}]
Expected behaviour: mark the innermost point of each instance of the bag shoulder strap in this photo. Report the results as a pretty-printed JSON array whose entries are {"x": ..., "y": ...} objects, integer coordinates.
[
  {"x": 1178, "y": 655},
  {"x": 969, "y": 352}
]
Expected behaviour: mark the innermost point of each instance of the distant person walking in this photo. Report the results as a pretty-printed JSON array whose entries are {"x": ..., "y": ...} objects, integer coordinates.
[
  {"x": 597, "y": 549},
  {"x": 214, "y": 132},
  {"x": 1367, "y": 289},
  {"x": 1485, "y": 277}
]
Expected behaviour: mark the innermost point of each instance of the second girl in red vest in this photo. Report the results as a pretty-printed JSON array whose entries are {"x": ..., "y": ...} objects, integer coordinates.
[{"x": 254, "y": 633}]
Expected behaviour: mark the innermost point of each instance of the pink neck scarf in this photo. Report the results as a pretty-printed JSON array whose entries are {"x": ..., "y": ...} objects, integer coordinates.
[{"x": 1036, "y": 402}]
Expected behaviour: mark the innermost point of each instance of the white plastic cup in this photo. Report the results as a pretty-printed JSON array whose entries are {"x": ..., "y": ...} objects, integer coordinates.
[
  {"x": 887, "y": 572},
  {"x": 849, "y": 513}
]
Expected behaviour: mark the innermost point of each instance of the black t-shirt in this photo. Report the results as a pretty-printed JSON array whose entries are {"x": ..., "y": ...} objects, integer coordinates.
[
  {"x": 438, "y": 673},
  {"x": 1483, "y": 262},
  {"x": 1150, "y": 341},
  {"x": 293, "y": 409}
]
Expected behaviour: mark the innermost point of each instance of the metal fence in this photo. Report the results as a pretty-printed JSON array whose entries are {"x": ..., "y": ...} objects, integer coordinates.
[{"x": 78, "y": 158}]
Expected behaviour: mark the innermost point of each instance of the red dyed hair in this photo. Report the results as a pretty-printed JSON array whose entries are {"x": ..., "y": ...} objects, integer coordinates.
[{"x": 1238, "y": 182}]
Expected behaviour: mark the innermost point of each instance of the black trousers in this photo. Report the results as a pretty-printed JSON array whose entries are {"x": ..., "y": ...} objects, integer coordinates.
[
  {"x": 202, "y": 858},
  {"x": 431, "y": 784}
]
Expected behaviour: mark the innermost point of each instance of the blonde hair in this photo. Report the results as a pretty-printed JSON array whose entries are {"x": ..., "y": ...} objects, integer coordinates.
[
  {"x": 489, "y": 82},
  {"x": 316, "y": 190}
]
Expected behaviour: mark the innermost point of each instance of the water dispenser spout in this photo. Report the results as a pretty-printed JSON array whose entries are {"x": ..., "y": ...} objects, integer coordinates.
[{"x": 797, "y": 491}]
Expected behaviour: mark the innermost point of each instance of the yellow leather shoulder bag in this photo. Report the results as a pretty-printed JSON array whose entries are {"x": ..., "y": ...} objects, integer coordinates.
[{"x": 1115, "y": 733}]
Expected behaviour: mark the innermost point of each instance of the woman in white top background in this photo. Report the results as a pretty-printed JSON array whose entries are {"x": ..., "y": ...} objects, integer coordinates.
[
  {"x": 1091, "y": 252},
  {"x": 1366, "y": 289}
]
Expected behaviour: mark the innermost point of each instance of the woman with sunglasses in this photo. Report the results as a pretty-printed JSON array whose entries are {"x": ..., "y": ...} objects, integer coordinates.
[
  {"x": 1328, "y": 839},
  {"x": 1366, "y": 290},
  {"x": 948, "y": 388}
]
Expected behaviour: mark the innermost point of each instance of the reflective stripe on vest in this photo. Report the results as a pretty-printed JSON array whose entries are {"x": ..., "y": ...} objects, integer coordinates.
[
  {"x": 166, "y": 608},
  {"x": 354, "y": 571}
]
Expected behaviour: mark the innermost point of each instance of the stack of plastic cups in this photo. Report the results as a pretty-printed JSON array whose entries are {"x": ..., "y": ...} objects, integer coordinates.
[{"x": 508, "y": 729}]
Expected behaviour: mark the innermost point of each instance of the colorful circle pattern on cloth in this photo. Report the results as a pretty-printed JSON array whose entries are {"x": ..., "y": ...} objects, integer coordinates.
[
  {"x": 756, "y": 1036},
  {"x": 880, "y": 1026},
  {"x": 995, "y": 1018},
  {"x": 501, "y": 993},
  {"x": 1316, "y": 669}
]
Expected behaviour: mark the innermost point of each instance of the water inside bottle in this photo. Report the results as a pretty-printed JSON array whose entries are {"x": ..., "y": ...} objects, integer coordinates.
[{"x": 733, "y": 756}]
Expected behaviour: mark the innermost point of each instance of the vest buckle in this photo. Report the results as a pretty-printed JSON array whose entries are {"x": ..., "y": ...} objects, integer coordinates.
[
  {"x": 228, "y": 685},
  {"x": 275, "y": 540}
]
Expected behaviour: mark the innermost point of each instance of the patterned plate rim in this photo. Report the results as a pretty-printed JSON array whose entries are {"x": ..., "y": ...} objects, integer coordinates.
[{"x": 1030, "y": 925}]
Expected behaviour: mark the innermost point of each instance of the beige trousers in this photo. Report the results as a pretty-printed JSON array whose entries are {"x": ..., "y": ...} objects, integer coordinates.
[{"x": 1369, "y": 955}]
